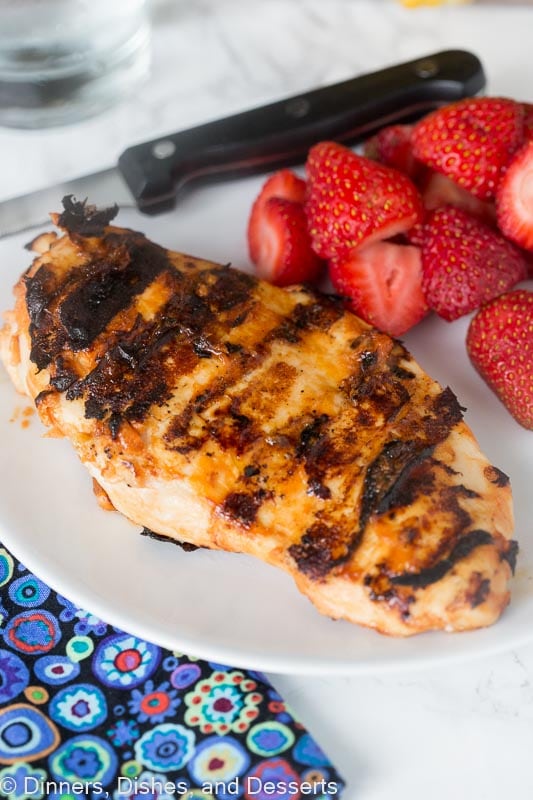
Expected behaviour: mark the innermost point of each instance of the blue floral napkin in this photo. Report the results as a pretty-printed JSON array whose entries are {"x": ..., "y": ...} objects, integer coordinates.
[{"x": 88, "y": 710}]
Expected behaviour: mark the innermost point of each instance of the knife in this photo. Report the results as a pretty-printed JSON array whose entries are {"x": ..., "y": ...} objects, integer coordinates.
[{"x": 152, "y": 175}]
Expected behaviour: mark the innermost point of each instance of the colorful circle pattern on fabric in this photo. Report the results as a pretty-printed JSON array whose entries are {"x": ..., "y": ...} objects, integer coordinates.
[
  {"x": 32, "y": 632},
  {"x": 269, "y": 738},
  {"x": 124, "y": 661},
  {"x": 6, "y": 567},
  {"x": 25, "y": 734},
  {"x": 277, "y": 772},
  {"x": 82, "y": 702},
  {"x": 14, "y": 676},
  {"x": 36, "y": 695},
  {"x": 21, "y": 778},
  {"x": 79, "y": 648},
  {"x": 56, "y": 670},
  {"x": 166, "y": 747},
  {"x": 79, "y": 707},
  {"x": 28, "y": 591},
  {"x": 84, "y": 758},
  {"x": 154, "y": 703},
  {"x": 225, "y": 702},
  {"x": 308, "y": 752},
  {"x": 218, "y": 758},
  {"x": 185, "y": 675}
]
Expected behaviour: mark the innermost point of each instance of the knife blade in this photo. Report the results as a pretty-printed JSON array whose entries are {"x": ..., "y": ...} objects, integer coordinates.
[{"x": 152, "y": 175}]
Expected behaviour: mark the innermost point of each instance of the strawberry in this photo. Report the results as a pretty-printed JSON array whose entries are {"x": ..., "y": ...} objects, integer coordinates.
[
  {"x": 279, "y": 243},
  {"x": 438, "y": 190},
  {"x": 466, "y": 263},
  {"x": 416, "y": 234},
  {"x": 283, "y": 183},
  {"x": 500, "y": 346},
  {"x": 383, "y": 285},
  {"x": 528, "y": 120},
  {"x": 352, "y": 200},
  {"x": 514, "y": 201},
  {"x": 471, "y": 141},
  {"x": 392, "y": 146}
]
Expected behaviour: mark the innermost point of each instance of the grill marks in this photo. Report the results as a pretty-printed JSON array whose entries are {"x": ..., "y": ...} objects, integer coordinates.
[
  {"x": 391, "y": 479},
  {"x": 68, "y": 311},
  {"x": 142, "y": 369},
  {"x": 136, "y": 367},
  {"x": 464, "y": 547},
  {"x": 106, "y": 289},
  {"x": 236, "y": 422}
]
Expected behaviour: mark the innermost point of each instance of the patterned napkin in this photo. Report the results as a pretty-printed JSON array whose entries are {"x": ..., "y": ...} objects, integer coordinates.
[{"x": 87, "y": 710}]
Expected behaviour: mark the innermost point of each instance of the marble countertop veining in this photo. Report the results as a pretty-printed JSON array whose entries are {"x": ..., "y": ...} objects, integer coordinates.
[{"x": 463, "y": 731}]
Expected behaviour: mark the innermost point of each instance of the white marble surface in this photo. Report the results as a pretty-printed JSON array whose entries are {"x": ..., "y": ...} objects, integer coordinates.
[{"x": 463, "y": 731}]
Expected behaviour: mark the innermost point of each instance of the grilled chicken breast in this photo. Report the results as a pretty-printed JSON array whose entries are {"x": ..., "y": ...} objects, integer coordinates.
[{"x": 223, "y": 412}]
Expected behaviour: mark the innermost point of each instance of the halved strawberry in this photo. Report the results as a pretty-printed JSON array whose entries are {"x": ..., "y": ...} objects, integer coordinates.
[
  {"x": 285, "y": 184},
  {"x": 471, "y": 141},
  {"x": 383, "y": 284},
  {"x": 416, "y": 234},
  {"x": 392, "y": 146},
  {"x": 514, "y": 202},
  {"x": 352, "y": 200},
  {"x": 466, "y": 263},
  {"x": 438, "y": 190},
  {"x": 528, "y": 120},
  {"x": 500, "y": 346},
  {"x": 279, "y": 243}
]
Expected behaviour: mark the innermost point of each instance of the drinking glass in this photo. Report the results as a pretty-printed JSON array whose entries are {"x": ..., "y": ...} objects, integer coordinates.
[{"x": 63, "y": 60}]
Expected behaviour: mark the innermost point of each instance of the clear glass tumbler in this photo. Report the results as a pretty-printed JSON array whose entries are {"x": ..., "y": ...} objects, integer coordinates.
[{"x": 63, "y": 60}]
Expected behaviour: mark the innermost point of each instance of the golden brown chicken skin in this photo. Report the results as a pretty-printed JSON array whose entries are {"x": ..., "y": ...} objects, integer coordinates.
[{"x": 223, "y": 412}]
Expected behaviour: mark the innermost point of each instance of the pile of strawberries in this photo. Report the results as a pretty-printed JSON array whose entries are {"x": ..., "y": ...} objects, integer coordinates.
[{"x": 434, "y": 217}]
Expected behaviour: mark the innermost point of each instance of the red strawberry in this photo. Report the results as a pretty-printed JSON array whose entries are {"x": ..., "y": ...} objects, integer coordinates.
[
  {"x": 528, "y": 120},
  {"x": 514, "y": 202},
  {"x": 471, "y": 141},
  {"x": 383, "y": 284},
  {"x": 284, "y": 183},
  {"x": 416, "y": 234},
  {"x": 466, "y": 263},
  {"x": 438, "y": 190},
  {"x": 352, "y": 200},
  {"x": 392, "y": 146},
  {"x": 500, "y": 346},
  {"x": 279, "y": 243}
]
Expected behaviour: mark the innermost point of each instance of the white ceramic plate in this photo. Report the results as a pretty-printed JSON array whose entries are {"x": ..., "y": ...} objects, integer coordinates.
[{"x": 230, "y": 608}]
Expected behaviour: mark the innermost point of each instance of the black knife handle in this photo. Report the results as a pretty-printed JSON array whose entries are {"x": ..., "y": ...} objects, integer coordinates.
[{"x": 280, "y": 134}]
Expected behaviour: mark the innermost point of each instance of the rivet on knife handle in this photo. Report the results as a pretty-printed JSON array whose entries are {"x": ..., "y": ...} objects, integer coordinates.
[{"x": 280, "y": 134}]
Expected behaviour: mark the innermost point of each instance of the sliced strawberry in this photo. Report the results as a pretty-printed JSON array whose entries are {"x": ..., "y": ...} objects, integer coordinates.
[
  {"x": 285, "y": 184},
  {"x": 528, "y": 255},
  {"x": 500, "y": 346},
  {"x": 471, "y": 141},
  {"x": 352, "y": 200},
  {"x": 392, "y": 146},
  {"x": 438, "y": 190},
  {"x": 514, "y": 202},
  {"x": 416, "y": 234},
  {"x": 528, "y": 120},
  {"x": 279, "y": 243},
  {"x": 383, "y": 285},
  {"x": 466, "y": 263}
]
